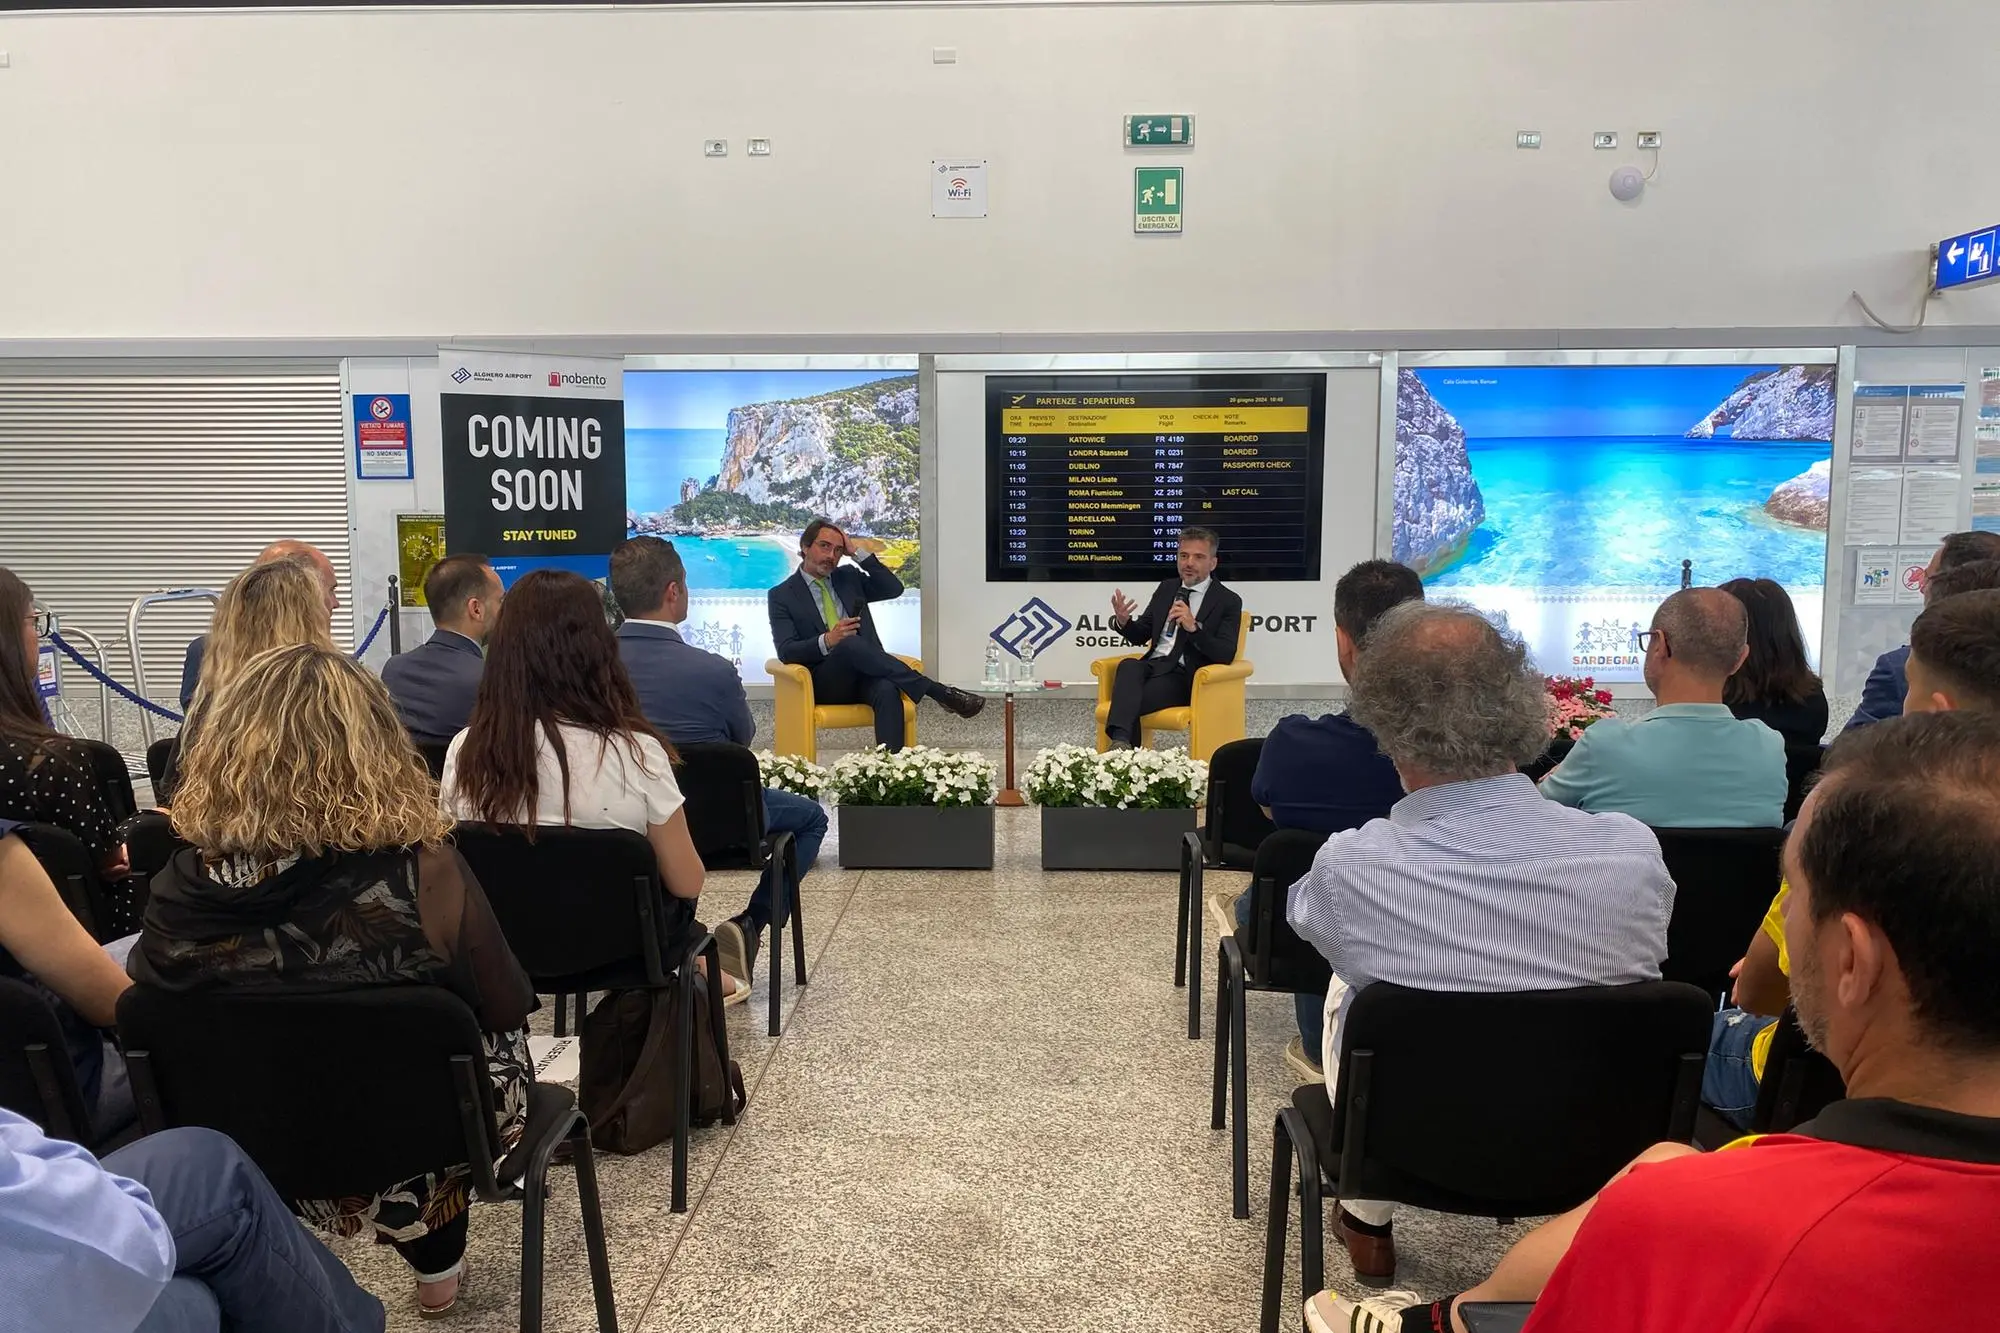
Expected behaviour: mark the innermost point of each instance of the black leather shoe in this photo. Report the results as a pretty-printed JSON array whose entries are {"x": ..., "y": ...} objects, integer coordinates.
[
  {"x": 959, "y": 701},
  {"x": 1373, "y": 1257}
]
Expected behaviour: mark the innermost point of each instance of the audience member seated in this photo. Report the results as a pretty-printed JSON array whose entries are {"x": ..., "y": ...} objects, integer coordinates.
[
  {"x": 1690, "y": 763},
  {"x": 43, "y": 944},
  {"x": 1953, "y": 665},
  {"x": 306, "y": 553},
  {"x": 1325, "y": 774},
  {"x": 1882, "y": 694},
  {"x": 1473, "y": 882},
  {"x": 1775, "y": 685},
  {"x": 692, "y": 696},
  {"x": 177, "y": 1233},
  {"x": 557, "y": 740},
  {"x": 435, "y": 682},
  {"x": 1894, "y": 920},
  {"x": 820, "y": 620},
  {"x": 276, "y": 604},
  {"x": 318, "y": 862},
  {"x": 44, "y": 778}
]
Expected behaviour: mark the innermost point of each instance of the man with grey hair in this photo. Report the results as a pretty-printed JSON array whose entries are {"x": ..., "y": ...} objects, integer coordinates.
[
  {"x": 1690, "y": 763},
  {"x": 1473, "y": 882},
  {"x": 286, "y": 548}
]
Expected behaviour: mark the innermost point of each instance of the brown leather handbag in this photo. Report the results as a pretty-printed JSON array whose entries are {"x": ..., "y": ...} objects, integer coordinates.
[{"x": 630, "y": 1070}]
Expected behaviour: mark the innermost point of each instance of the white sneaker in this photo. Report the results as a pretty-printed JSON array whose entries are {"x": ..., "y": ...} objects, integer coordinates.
[
  {"x": 1221, "y": 906},
  {"x": 1308, "y": 1070},
  {"x": 1331, "y": 1312}
]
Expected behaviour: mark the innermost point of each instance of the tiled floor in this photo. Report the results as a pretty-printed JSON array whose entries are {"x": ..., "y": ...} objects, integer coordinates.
[{"x": 984, "y": 1113}]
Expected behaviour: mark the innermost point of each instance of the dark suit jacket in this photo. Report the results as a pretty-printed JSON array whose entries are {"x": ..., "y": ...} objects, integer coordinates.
[
  {"x": 689, "y": 694},
  {"x": 1219, "y": 617},
  {"x": 1888, "y": 685},
  {"x": 434, "y": 685},
  {"x": 797, "y": 622},
  {"x": 191, "y": 670}
]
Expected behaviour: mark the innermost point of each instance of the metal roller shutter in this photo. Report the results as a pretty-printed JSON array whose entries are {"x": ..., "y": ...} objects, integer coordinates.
[{"x": 119, "y": 478}]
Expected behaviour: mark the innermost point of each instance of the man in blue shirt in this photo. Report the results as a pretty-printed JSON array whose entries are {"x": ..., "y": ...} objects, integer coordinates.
[
  {"x": 1882, "y": 695},
  {"x": 1690, "y": 763},
  {"x": 693, "y": 696},
  {"x": 177, "y": 1233},
  {"x": 1325, "y": 774},
  {"x": 434, "y": 684}
]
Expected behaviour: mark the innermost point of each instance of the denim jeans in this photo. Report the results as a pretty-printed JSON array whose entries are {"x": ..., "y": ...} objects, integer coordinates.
[
  {"x": 1728, "y": 1083},
  {"x": 803, "y": 818},
  {"x": 241, "y": 1260},
  {"x": 1308, "y": 1007}
]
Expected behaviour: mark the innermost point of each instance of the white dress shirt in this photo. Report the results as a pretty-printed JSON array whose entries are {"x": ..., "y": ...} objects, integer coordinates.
[{"x": 1165, "y": 646}]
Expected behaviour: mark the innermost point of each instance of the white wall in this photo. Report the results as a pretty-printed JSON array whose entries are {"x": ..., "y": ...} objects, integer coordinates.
[{"x": 473, "y": 173}]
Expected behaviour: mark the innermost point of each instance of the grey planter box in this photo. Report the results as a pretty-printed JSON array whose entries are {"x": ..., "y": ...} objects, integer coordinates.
[
  {"x": 915, "y": 837},
  {"x": 1090, "y": 837}
]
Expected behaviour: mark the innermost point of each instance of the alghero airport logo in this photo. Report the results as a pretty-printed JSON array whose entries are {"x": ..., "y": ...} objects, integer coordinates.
[
  {"x": 1032, "y": 630},
  {"x": 461, "y": 375}
]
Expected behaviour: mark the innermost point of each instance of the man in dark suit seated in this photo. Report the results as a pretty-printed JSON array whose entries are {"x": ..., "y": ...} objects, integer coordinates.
[
  {"x": 692, "y": 696},
  {"x": 1191, "y": 621},
  {"x": 288, "y": 549},
  {"x": 820, "y": 620},
  {"x": 434, "y": 683}
]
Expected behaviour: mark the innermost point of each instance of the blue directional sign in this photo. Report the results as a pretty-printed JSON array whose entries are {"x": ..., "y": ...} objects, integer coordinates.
[{"x": 1967, "y": 259}]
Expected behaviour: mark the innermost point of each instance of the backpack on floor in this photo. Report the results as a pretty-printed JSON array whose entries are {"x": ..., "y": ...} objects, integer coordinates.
[{"x": 630, "y": 1069}]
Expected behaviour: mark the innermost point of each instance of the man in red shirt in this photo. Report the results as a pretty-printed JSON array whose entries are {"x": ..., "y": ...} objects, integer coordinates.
[{"x": 1892, "y": 926}]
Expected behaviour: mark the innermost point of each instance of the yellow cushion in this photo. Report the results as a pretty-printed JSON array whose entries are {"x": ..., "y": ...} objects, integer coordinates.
[
  {"x": 1169, "y": 719},
  {"x": 832, "y": 716}
]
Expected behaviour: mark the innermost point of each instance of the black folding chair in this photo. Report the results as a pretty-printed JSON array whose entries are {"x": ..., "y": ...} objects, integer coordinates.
[
  {"x": 1801, "y": 766},
  {"x": 725, "y": 815},
  {"x": 114, "y": 779},
  {"x": 1489, "y": 1105},
  {"x": 150, "y": 842},
  {"x": 1724, "y": 881},
  {"x": 1232, "y": 829},
  {"x": 433, "y": 755},
  {"x": 1798, "y": 1081},
  {"x": 342, "y": 1094},
  {"x": 584, "y": 910},
  {"x": 161, "y": 760},
  {"x": 107, "y": 911},
  {"x": 37, "y": 1079},
  {"x": 1263, "y": 955}
]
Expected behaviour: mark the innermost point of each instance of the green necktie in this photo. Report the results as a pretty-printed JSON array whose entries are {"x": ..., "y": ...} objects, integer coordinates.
[{"x": 826, "y": 604}]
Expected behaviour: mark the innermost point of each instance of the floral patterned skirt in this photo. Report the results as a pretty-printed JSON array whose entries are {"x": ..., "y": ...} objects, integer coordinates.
[{"x": 415, "y": 1208}]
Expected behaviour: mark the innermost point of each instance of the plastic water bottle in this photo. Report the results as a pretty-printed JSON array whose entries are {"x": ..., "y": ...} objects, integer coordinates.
[{"x": 992, "y": 662}]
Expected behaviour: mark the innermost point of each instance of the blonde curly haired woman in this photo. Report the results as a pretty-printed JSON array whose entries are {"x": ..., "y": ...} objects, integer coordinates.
[{"x": 318, "y": 859}]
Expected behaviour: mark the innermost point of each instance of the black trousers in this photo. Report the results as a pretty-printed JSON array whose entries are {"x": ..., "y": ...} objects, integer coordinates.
[
  {"x": 855, "y": 671},
  {"x": 1145, "y": 685}
]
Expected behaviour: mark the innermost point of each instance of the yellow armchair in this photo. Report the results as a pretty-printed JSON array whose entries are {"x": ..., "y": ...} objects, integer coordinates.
[
  {"x": 799, "y": 719},
  {"x": 1214, "y": 713}
]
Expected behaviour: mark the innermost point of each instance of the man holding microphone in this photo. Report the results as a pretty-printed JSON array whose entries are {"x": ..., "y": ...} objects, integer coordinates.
[{"x": 1190, "y": 622}]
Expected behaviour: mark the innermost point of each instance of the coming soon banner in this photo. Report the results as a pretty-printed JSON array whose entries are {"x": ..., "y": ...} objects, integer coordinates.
[{"x": 534, "y": 459}]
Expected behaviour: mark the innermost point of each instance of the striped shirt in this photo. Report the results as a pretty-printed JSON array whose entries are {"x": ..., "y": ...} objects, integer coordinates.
[{"x": 1486, "y": 886}]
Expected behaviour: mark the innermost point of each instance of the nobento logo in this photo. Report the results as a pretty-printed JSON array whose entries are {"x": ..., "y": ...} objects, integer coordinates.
[
  {"x": 1032, "y": 630},
  {"x": 461, "y": 375},
  {"x": 558, "y": 378}
]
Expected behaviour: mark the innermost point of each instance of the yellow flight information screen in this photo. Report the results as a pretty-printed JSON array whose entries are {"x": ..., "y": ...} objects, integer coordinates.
[{"x": 1094, "y": 476}]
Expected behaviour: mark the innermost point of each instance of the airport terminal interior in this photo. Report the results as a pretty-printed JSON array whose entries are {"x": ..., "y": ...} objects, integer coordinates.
[{"x": 1375, "y": 608}]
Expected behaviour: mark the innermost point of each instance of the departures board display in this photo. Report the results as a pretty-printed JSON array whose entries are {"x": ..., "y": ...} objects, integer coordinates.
[{"x": 1092, "y": 477}]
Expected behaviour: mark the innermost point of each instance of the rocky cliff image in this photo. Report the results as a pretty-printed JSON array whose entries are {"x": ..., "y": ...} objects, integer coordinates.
[
  {"x": 850, "y": 455},
  {"x": 1782, "y": 403},
  {"x": 1438, "y": 503},
  {"x": 1803, "y": 501}
]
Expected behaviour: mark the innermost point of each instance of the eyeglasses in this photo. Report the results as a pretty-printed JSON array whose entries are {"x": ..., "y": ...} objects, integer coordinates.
[
  {"x": 44, "y": 623},
  {"x": 1646, "y": 637}
]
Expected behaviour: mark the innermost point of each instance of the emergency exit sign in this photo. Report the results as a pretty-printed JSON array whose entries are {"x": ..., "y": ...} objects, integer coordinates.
[
  {"x": 1159, "y": 131},
  {"x": 1156, "y": 199}
]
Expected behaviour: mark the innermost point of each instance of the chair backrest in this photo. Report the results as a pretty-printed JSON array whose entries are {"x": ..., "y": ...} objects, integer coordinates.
[
  {"x": 150, "y": 842},
  {"x": 573, "y": 900},
  {"x": 74, "y": 872},
  {"x": 433, "y": 753},
  {"x": 725, "y": 803},
  {"x": 1802, "y": 763},
  {"x": 333, "y": 1094},
  {"x": 1724, "y": 881},
  {"x": 1234, "y": 827},
  {"x": 1275, "y": 958},
  {"x": 1512, "y": 1105},
  {"x": 37, "y": 1079},
  {"x": 1798, "y": 1081},
  {"x": 114, "y": 779},
  {"x": 156, "y": 762}
]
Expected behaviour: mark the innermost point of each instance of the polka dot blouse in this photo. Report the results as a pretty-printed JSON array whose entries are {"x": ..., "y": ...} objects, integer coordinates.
[{"x": 55, "y": 786}]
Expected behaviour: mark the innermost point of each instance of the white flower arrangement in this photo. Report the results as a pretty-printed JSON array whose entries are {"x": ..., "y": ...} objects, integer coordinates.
[
  {"x": 919, "y": 775},
  {"x": 1071, "y": 775},
  {"x": 793, "y": 773}
]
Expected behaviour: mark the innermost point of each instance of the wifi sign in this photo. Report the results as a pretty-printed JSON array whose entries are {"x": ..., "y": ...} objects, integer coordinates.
[{"x": 958, "y": 189}]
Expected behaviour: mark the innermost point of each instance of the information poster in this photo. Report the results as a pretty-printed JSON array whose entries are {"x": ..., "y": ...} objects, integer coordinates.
[
  {"x": 1878, "y": 420},
  {"x": 382, "y": 449},
  {"x": 534, "y": 459},
  {"x": 1986, "y": 447},
  {"x": 419, "y": 545},
  {"x": 1935, "y": 410},
  {"x": 1930, "y": 504},
  {"x": 1989, "y": 393},
  {"x": 1986, "y": 506},
  {"x": 1874, "y": 505},
  {"x": 1875, "y": 571},
  {"x": 1911, "y": 562}
]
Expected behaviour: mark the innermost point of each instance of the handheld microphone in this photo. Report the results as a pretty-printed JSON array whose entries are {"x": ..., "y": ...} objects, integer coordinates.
[{"x": 1184, "y": 594}]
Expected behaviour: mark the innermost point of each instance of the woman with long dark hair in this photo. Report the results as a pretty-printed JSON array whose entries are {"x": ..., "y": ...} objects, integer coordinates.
[
  {"x": 44, "y": 779},
  {"x": 1775, "y": 685},
  {"x": 556, "y": 737}
]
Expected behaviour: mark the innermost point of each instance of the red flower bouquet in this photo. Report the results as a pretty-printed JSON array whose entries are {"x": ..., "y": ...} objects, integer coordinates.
[{"x": 1574, "y": 703}]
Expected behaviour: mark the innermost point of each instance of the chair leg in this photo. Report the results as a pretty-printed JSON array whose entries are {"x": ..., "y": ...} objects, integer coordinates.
[
  {"x": 1274, "y": 1230},
  {"x": 684, "y": 1079},
  {"x": 1194, "y": 973},
  {"x": 593, "y": 1226},
  {"x": 798, "y": 933},
  {"x": 718, "y": 1028},
  {"x": 1312, "y": 1208},
  {"x": 1181, "y": 925},
  {"x": 562, "y": 1009},
  {"x": 775, "y": 965},
  {"x": 1239, "y": 1073},
  {"x": 535, "y": 1191},
  {"x": 1221, "y": 1089}
]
